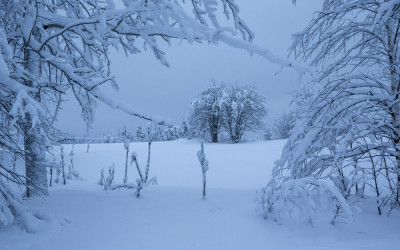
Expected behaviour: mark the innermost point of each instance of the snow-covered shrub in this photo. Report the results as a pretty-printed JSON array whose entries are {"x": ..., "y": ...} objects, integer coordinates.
[
  {"x": 303, "y": 199},
  {"x": 110, "y": 178},
  {"x": 107, "y": 182},
  {"x": 102, "y": 179},
  {"x": 143, "y": 180},
  {"x": 201, "y": 156}
]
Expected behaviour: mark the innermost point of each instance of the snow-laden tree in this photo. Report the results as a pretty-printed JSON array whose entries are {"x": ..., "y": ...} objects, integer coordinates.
[
  {"x": 154, "y": 133},
  {"x": 107, "y": 136},
  {"x": 243, "y": 110},
  {"x": 230, "y": 108},
  {"x": 347, "y": 136},
  {"x": 19, "y": 100},
  {"x": 283, "y": 125},
  {"x": 12, "y": 208},
  {"x": 267, "y": 134},
  {"x": 124, "y": 134},
  {"x": 206, "y": 115},
  {"x": 183, "y": 130},
  {"x": 140, "y": 135}
]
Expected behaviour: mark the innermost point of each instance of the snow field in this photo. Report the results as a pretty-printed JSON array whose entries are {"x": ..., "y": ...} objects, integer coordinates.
[{"x": 172, "y": 214}]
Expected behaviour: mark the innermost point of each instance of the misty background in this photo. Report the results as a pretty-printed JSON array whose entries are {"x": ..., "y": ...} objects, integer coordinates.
[{"x": 156, "y": 90}]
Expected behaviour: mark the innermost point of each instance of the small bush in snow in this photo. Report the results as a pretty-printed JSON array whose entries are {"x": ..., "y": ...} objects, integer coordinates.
[
  {"x": 143, "y": 180},
  {"x": 107, "y": 182},
  {"x": 102, "y": 180},
  {"x": 110, "y": 177}
]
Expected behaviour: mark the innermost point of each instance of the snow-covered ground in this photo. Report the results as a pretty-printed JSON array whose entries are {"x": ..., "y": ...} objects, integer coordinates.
[{"x": 172, "y": 214}]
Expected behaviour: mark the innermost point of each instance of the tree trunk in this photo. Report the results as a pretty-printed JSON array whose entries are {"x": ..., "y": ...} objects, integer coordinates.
[
  {"x": 213, "y": 124},
  {"x": 214, "y": 137},
  {"x": 204, "y": 190},
  {"x": 392, "y": 27},
  {"x": 63, "y": 165},
  {"x": 35, "y": 168},
  {"x": 214, "y": 132}
]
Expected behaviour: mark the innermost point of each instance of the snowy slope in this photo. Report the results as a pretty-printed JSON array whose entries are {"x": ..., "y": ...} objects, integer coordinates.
[{"x": 172, "y": 215}]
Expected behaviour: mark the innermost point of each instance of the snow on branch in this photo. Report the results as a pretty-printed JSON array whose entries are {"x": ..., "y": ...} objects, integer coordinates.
[
  {"x": 84, "y": 62},
  {"x": 346, "y": 135},
  {"x": 256, "y": 50},
  {"x": 300, "y": 198},
  {"x": 126, "y": 108}
]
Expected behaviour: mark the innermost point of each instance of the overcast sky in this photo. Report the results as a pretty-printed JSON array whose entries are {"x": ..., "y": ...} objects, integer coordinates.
[{"x": 157, "y": 90}]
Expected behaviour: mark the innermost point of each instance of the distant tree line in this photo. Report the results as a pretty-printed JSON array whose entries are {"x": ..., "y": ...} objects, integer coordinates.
[
  {"x": 152, "y": 132},
  {"x": 221, "y": 112}
]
